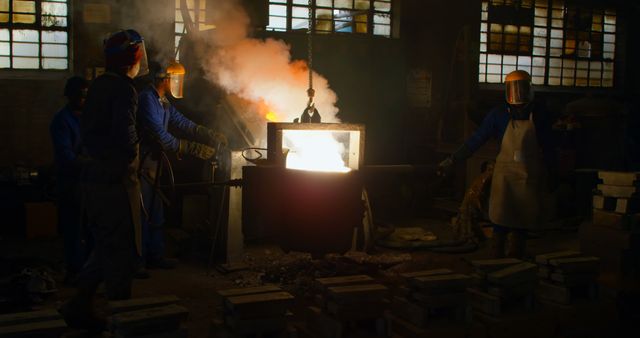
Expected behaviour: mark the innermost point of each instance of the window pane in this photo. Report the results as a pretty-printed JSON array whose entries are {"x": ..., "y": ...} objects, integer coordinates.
[
  {"x": 21, "y": 6},
  {"x": 300, "y": 12},
  {"x": 25, "y": 35},
  {"x": 362, "y": 4},
  {"x": 343, "y": 4},
  {"x": 4, "y": 5},
  {"x": 48, "y": 63},
  {"x": 494, "y": 78},
  {"x": 277, "y": 22},
  {"x": 506, "y": 69},
  {"x": 179, "y": 28},
  {"x": 4, "y": 34},
  {"x": 51, "y": 21},
  {"x": 5, "y": 48},
  {"x": 53, "y": 8},
  {"x": 54, "y": 36},
  {"x": 540, "y": 32},
  {"x": 524, "y": 61},
  {"x": 382, "y": 18},
  {"x": 26, "y": 49},
  {"x": 4, "y": 62},
  {"x": 278, "y": 10},
  {"x": 384, "y": 30},
  {"x": 299, "y": 23},
  {"x": 610, "y": 38},
  {"x": 4, "y": 17},
  {"x": 382, "y": 6},
  {"x": 25, "y": 63},
  {"x": 323, "y": 25},
  {"x": 54, "y": 50},
  {"x": 323, "y": 3},
  {"x": 24, "y": 18}
]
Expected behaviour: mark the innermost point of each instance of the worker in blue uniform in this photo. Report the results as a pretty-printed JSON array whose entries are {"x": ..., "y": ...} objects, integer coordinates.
[
  {"x": 67, "y": 147},
  {"x": 109, "y": 182},
  {"x": 523, "y": 175},
  {"x": 155, "y": 115}
]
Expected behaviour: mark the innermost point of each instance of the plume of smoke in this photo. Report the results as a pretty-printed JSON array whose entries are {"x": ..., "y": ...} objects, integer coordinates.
[
  {"x": 153, "y": 28},
  {"x": 261, "y": 71}
]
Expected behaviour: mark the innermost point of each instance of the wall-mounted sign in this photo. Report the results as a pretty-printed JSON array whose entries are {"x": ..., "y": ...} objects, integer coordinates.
[
  {"x": 419, "y": 88},
  {"x": 96, "y": 13}
]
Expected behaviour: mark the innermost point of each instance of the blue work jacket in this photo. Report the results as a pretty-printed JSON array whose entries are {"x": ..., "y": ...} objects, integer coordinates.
[
  {"x": 67, "y": 144},
  {"x": 154, "y": 118}
]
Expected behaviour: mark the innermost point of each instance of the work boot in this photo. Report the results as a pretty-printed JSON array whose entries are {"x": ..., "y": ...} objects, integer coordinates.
[
  {"x": 517, "y": 243},
  {"x": 80, "y": 313},
  {"x": 141, "y": 273},
  {"x": 499, "y": 243}
]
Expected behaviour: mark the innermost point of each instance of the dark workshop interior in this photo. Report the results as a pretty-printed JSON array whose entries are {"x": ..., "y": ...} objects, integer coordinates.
[{"x": 319, "y": 168}]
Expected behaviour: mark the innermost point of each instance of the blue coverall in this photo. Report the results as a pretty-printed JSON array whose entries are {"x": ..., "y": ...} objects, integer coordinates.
[
  {"x": 154, "y": 117},
  {"x": 67, "y": 144}
]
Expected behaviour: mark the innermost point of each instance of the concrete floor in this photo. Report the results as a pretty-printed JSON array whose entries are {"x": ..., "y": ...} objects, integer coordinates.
[{"x": 197, "y": 288}]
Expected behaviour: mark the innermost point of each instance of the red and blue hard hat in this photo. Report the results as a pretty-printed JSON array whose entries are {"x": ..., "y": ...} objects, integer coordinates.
[{"x": 124, "y": 48}]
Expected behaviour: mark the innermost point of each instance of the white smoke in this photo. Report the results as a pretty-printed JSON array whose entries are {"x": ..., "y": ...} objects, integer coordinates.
[{"x": 262, "y": 71}]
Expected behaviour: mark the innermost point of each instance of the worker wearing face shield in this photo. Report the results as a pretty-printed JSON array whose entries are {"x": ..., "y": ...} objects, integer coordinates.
[
  {"x": 520, "y": 198},
  {"x": 109, "y": 182},
  {"x": 155, "y": 115}
]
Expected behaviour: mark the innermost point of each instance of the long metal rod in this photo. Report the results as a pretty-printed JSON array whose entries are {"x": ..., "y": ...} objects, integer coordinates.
[
  {"x": 230, "y": 183},
  {"x": 398, "y": 168}
]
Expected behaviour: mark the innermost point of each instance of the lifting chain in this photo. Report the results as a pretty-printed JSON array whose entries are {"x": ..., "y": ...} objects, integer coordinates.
[{"x": 310, "y": 91}]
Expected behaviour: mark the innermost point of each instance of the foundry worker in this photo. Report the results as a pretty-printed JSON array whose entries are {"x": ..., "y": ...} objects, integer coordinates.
[
  {"x": 67, "y": 146},
  {"x": 155, "y": 115},
  {"x": 110, "y": 187},
  {"x": 520, "y": 198}
]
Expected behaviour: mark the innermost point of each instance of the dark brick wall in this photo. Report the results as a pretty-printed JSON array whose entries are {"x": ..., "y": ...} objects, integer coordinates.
[{"x": 27, "y": 107}]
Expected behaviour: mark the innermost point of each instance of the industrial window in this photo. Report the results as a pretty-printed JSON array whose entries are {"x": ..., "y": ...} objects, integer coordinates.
[
  {"x": 34, "y": 34},
  {"x": 197, "y": 16},
  {"x": 372, "y": 17},
  {"x": 560, "y": 43}
]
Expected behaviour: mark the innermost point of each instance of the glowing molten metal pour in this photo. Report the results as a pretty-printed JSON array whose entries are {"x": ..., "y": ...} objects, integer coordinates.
[
  {"x": 314, "y": 151},
  {"x": 311, "y": 150}
]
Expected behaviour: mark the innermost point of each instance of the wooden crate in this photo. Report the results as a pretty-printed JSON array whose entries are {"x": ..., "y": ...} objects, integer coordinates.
[
  {"x": 619, "y": 178},
  {"x": 489, "y": 304},
  {"x": 262, "y": 305},
  {"x": 141, "y": 303},
  {"x": 42, "y": 323},
  {"x": 148, "y": 321},
  {"x": 566, "y": 294},
  {"x": 319, "y": 324}
]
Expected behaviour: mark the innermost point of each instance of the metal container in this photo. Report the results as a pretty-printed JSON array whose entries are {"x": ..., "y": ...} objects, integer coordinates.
[
  {"x": 352, "y": 137},
  {"x": 300, "y": 210}
]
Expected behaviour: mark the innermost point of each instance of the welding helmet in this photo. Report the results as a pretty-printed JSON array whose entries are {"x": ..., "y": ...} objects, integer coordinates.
[
  {"x": 517, "y": 87},
  {"x": 126, "y": 48}
]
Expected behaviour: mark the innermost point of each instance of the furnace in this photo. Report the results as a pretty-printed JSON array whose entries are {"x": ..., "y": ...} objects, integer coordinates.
[{"x": 308, "y": 195}]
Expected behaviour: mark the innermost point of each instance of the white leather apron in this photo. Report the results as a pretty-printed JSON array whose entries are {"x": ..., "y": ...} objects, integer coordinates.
[{"x": 519, "y": 194}]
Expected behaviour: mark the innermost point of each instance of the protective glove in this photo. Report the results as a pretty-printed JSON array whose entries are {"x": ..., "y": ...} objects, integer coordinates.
[
  {"x": 445, "y": 167},
  {"x": 196, "y": 149},
  {"x": 213, "y": 138}
]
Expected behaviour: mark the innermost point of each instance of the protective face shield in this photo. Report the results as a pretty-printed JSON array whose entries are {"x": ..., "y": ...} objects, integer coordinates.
[
  {"x": 518, "y": 89},
  {"x": 175, "y": 73},
  {"x": 136, "y": 39},
  {"x": 127, "y": 48}
]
